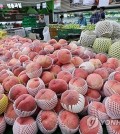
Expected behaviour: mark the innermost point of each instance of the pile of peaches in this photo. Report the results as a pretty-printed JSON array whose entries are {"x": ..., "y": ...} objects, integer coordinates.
[{"x": 57, "y": 84}]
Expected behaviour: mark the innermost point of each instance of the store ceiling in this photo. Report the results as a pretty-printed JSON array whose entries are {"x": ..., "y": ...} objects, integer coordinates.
[{"x": 25, "y": 2}]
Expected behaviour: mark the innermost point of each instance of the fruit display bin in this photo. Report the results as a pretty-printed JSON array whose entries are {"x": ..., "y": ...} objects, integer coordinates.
[{"x": 65, "y": 33}]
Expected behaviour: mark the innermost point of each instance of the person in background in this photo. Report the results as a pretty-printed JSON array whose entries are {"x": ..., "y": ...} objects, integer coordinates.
[
  {"x": 82, "y": 20},
  {"x": 95, "y": 15},
  {"x": 61, "y": 19},
  {"x": 41, "y": 25},
  {"x": 102, "y": 13}
]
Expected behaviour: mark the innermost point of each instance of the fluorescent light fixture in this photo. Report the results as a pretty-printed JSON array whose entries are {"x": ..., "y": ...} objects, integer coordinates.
[
  {"x": 38, "y": 6},
  {"x": 44, "y": 5}
]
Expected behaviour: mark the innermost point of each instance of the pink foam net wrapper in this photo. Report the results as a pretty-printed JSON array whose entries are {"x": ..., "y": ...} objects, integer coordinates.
[
  {"x": 64, "y": 129},
  {"x": 34, "y": 74},
  {"x": 108, "y": 91},
  {"x": 110, "y": 129},
  {"x": 2, "y": 126},
  {"x": 112, "y": 108},
  {"x": 81, "y": 90},
  {"x": 100, "y": 130},
  {"x": 34, "y": 91},
  {"x": 25, "y": 129},
  {"x": 50, "y": 65},
  {"x": 112, "y": 75},
  {"x": 98, "y": 114},
  {"x": 9, "y": 121},
  {"x": 41, "y": 127},
  {"x": 23, "y": 113},
  {"x": 47, "y": 104},
  {"x": 78, "y": 107},
  {"x": 71, "y": 69},
  {"x": 110, "y": 70}
]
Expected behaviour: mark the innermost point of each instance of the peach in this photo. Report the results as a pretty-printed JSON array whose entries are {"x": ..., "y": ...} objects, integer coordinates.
[
  {"x": 2, "y": 124},
  {"x": 76, "y": 52},
  {"x": 90, "y": 125},
  {"x": 46, "y": 99},
  {"x": 102, "y": 72},
  {"x": 16, "y": 91},
  {"x": 4, "y": 74},
  {"x": 33, "y": 69},
  {"x": 88, "y": 66},
  {"x": 26, "y": 124},
  {"x": 57, "y": 46},
  {"x": 9, "y": 82},
  {"x": 23, "y": 77},
  {"x": 68, "y": 67},
  {"x": 32, "y": 55},
  {"x": 36, "y": 42},
  {"x": 55, "y": 69},
  {"x": 98, "y": 110},
  {"x": 58, "y": 86},
  {"x": 23, "y": 58},
  {"x": 3, "y": 66},
  {"x": 47, "y": 121},
  {"x": 73, "y": 45},
  {"x": 43, "y": 52},
  {"x": 64, "y": 75},
  {"x": 118, "y": 69},
  {"x": 102, "y": 57},
  {"x": 112, "y": 105},
  {"x": 93, "y": 95},
  {"x": 21, "y": 107},
  {"x": 72, "y": 101},
  {"x": 52, "y": 41},
  {"x": 109, "y": 66},
  {"x": 10, "y": 115},
  {"x": 16, "y": 54},
  {"x": 94, "y": 81},
  {"x": 114, "y": 61},
  {"x": 114, "y": 76},
  {"x": 17, "y": 70},
  {"x": 68, "y": 122},
  {"x": 24, "y": 64},
  {"x": 79, "y": 85},
  {"x": 8, "y": 54},
  {"x": 113, "y": 126},
  {"x": 111, "y": 87},
  {"x": 45, "y": 61},
  {"x": 37, "y": 48},
  {"x": 66, "y": 47},
  {"x": 49, "y": 48},
  {"x": 79, "y": 72},
  {"x": 64, "y": 56},
  {"x": 63, "y": 42},
  {"x": 58, "y": 107},
  {"x": 85, "y": 57},
  {"x": 26, "y": 50},
  {"x": 96, "y": 62},
  {"x": 34, "y": 85},
  {"x": 77, "y": 61},
  {"x": 3, "y": 103},
  {"x": 47, "y": 77},
  {"x": 89, "y": 53},
  {"x": 13, "y": 62}
]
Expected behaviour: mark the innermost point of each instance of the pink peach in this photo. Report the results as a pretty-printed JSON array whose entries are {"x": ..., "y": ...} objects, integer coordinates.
[
  {"x": 77, "y": 61},
  {"x": 102, "y": 57}
]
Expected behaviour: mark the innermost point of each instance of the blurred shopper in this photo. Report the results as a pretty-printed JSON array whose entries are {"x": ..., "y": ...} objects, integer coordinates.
[
  {"x": 41, "y": 25},
  {"x": 102, "y": 13},
  {"x": 95, "y": 15},
  {"x": 82, "y": 20},
  {"x": 61, "y": 19}
]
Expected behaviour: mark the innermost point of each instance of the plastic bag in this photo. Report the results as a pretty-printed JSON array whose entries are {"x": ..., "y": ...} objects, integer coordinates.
[
  {"x": 88, "y": 2},
  {"x": 46, "y": 34}
]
